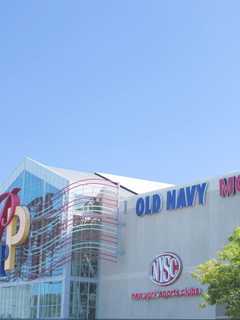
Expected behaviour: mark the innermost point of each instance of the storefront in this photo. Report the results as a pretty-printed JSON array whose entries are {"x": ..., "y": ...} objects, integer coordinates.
[{"x": 99, "y": 246}]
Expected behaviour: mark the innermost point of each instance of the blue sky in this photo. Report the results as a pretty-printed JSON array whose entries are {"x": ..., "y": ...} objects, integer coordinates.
[{"x": 148, "y": 89}]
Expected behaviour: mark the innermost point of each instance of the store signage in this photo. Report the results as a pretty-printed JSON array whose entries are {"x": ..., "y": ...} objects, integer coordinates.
[
  {"x": 175, "y": 199},
  {"x": 229, "y": 186},
  {"x": 166, "y": 269},
  {"x": 166, "y": 294},
  {"x": 11, "y": 201},
  {"x": 16, "y": 221}
]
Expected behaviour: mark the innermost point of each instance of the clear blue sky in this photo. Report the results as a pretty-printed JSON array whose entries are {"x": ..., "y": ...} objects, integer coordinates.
[{"x": 148, "y": 89}]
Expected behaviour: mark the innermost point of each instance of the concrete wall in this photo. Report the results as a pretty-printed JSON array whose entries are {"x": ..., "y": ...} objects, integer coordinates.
[{"x": 195, "y": 234}]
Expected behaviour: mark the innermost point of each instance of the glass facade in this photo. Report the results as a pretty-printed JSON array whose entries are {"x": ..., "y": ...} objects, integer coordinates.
[
  {"x": 72, "y": 227},
  {"x": 82, "y": 300},
  {"x": 37, "y": 195},
  {"x": 46, "y": 300},
  {"x": 41, "y": 300},
  {"x": 21, "y": 296},
  {"x": 84, "y": 262}
]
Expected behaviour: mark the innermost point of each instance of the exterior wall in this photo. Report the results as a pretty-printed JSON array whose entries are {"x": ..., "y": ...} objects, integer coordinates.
[{"x": 195, "y": 234}]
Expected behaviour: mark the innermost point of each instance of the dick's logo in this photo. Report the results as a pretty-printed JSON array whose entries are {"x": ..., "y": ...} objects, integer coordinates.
[
  {"x": 16, "y": 221},
  {"x": 166, "y": 268}
]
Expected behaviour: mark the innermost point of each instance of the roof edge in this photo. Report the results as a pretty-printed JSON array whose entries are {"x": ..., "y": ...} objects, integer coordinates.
[{"x": 121, "y": 186}]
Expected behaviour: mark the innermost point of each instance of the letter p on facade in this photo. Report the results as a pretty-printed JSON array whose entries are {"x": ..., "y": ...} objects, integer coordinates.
[{"x": 17, "y": 233}]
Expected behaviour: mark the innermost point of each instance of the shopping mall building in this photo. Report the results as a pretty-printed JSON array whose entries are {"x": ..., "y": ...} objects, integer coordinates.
[{"x": 98, "y": 246}]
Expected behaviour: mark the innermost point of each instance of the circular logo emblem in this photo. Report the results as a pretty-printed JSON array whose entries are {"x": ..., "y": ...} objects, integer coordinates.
[{"x": 166, "y": 268}]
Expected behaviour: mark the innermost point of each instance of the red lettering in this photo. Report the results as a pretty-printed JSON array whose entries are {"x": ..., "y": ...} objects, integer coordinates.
[
  {"x": 144, "y": 296},
  {"x": 134, "y": 296},
  {"x": 193, "y": 292},
  {"x": 182, "y": 292},
  {"x": 154, "y": 295},
  {"x": 149, "y": 295},
  {"x": 227, "y": 187},
  {"x": 237, "y": 184},
  {"x": 187, "y": 292},
  {"x": 198, "y": 292}
]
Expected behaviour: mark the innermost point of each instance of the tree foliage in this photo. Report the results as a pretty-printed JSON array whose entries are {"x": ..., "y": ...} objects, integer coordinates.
[{"x": 222, "y": 276}]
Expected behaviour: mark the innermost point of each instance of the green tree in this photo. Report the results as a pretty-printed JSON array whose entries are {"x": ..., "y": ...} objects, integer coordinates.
[{"x": 222, "y": 276}]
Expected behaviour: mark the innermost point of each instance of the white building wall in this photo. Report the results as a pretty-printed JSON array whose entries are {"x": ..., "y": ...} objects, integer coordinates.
[{"x": 195, "y": 234}]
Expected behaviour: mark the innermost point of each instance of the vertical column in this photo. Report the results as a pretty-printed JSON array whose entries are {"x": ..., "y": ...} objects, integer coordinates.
[
  {"x": 67, "y": 266},
  {"x": 66, "y": 291}
]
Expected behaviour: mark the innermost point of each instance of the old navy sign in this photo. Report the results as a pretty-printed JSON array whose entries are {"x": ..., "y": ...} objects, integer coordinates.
[{"x": 189, "y": 196}]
